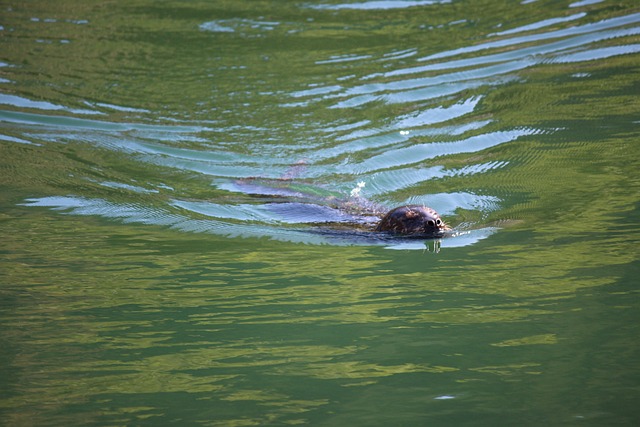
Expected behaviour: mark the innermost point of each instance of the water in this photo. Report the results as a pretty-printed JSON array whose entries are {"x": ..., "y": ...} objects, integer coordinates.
[{"x": 173, "y": 252}]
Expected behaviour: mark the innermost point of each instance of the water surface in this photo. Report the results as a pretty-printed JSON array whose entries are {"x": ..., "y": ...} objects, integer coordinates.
[{"x": 176, "y": 248}]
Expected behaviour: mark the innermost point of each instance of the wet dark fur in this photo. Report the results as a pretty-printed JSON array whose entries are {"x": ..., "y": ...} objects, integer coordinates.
[{"x": 413, "y": 220}]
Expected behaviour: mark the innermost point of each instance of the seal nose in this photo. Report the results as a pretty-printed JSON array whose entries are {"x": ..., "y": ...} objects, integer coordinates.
[{"x": 435, "y": 223}]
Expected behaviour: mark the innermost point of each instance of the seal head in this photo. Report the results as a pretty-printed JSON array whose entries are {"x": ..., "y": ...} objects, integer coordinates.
[{"x": 413, "y": 220}]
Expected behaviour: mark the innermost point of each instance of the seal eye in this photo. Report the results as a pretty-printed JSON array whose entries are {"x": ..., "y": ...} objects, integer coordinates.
[
  {"x": 438, "y": 222},
  {"x": 430, "y": 223}
]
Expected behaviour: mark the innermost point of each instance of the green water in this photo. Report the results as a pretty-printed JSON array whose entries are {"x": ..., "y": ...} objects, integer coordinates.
[{"x": 151, "y": 275}]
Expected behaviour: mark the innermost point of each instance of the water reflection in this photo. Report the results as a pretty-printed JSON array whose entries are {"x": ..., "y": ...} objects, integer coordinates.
[
  {"x": 378, "y": 4},
  {"x": 392, "y": 170},
  {"x": 405, "y": 151},
  {"x": 244, "y": 217},
  {"x": 158, "y": 157},
  {"x": 391, "y": 158}
]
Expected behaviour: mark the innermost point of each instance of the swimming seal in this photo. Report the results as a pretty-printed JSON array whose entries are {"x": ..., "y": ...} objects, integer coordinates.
[
  {"x": 353, "y": 212},
  {"x": 413, "y": 220}
]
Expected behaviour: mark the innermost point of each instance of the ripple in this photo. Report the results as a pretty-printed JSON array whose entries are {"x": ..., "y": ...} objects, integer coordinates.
[
  {"x": 593, "y": 54},
  {"x": 486, "y": 70},
  {"x": 380, "y": 183},
  {"x": 343, "y": 58},
  {"x": 393, "y": 121},
  {"x": 128, "y": 187},
  {"x": 241, "y": 25},
  {"x": 540, "y": 24},
  {"x": 448, "y": 203},
  {"x": 595, "y": 27},
  {"x": 393, "y": 93},
  {"x": 133, "y": 213},
  {"x": 420, "y": 152},
  {"x": 21, "y": 102},
  {"x": 269, "y": 213},
  {"x": 585, "y": 3},
  {"x": 437, "y": 115},
  {"x": 16, "y": 139},
  {"x": 74, "y": 123},
  {"x": 378, "y": 4}
]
